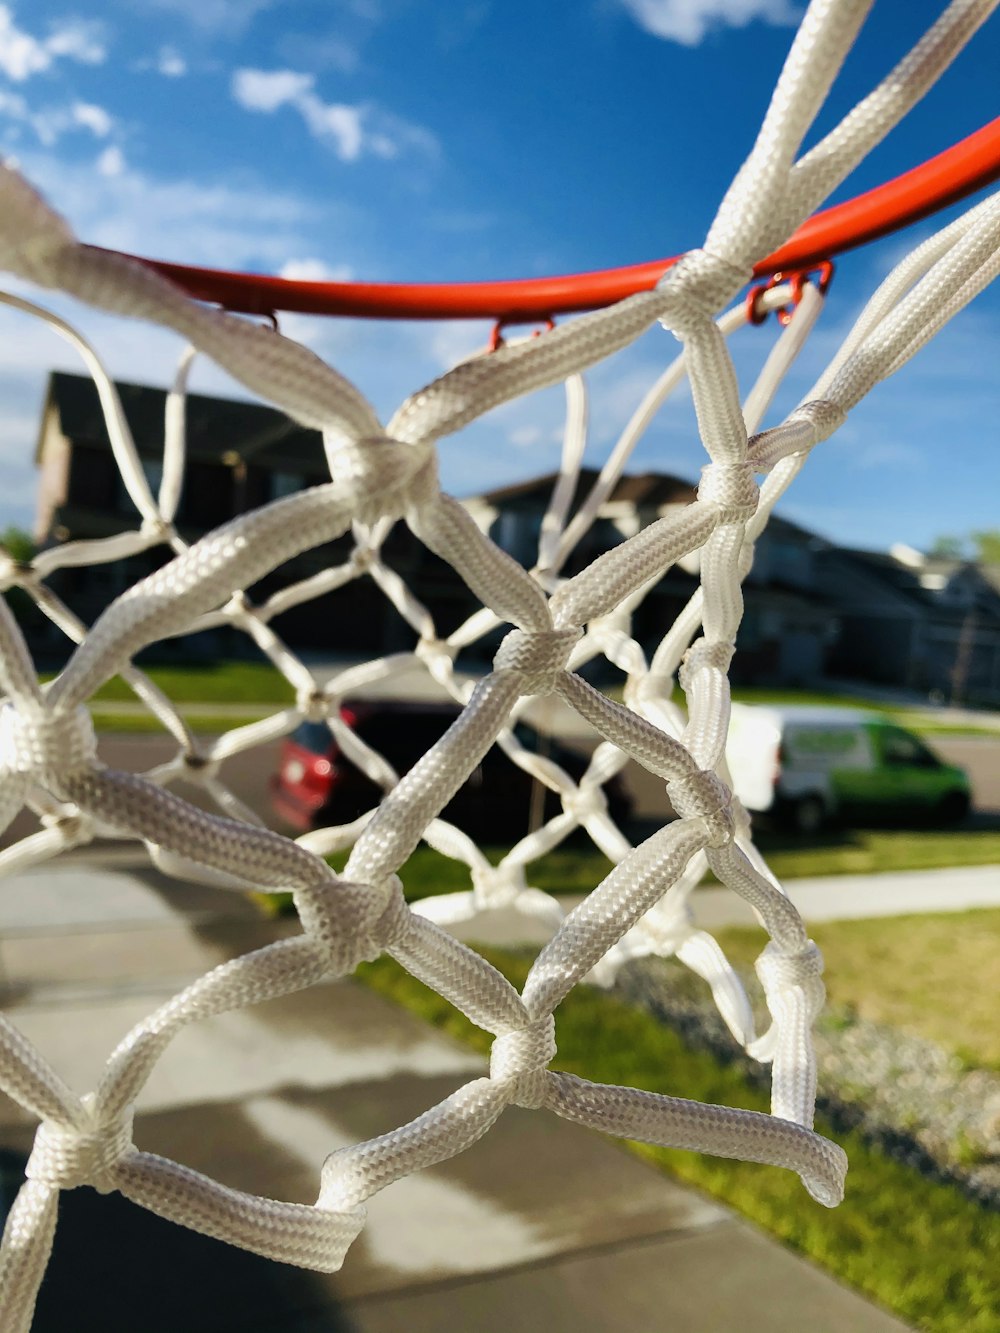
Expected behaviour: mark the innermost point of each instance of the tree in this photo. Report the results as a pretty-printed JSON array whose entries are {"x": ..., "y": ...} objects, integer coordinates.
[
  {"x": 18, "y": 546},
  {"x": 983, "y": 546},
  {"x": 987, "y": 545},
  {"x": 946, "y": 548}
]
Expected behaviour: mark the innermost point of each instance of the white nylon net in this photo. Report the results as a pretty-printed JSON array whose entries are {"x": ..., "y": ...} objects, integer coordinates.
[{"x": 381, "y": 474}]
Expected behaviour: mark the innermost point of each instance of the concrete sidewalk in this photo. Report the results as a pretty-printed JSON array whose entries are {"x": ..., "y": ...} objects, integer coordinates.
[
  {"x": 853, "y": 897},
  {"x": 541, "y": 1225}
]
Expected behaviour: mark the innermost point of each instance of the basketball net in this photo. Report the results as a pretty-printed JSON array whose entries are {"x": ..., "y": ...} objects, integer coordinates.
[{"x": 384, "y": 474}]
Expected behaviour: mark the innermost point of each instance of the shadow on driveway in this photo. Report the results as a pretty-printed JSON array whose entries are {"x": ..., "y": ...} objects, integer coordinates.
[{"x": 151, "y": 1275}]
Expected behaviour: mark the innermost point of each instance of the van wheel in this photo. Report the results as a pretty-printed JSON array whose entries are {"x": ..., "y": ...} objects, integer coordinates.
[
  {"x": 808, "y": 815},
  {"x": 953, "y": 808}
]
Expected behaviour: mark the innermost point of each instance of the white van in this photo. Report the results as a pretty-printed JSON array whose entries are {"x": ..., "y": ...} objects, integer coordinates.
[{"x": 806, "y": 764}]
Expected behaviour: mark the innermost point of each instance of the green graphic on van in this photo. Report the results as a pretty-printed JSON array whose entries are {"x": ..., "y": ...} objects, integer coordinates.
[
  {"x": 825, "y": 742},
  {"x": 807, "y": 764}
]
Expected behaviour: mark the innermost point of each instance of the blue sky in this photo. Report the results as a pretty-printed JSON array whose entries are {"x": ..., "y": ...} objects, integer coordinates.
[{"x": 479, "y": 138}]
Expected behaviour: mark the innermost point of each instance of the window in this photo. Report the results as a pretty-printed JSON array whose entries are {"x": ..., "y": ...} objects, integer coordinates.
[
  {"x": 153, "y": 468},
  {"x": 899, "y": 747},
  {"x": 286, "y": 483}
]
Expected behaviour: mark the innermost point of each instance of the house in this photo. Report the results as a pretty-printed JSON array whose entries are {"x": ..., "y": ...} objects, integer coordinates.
[
  {"x": 788, "y": 622},
  {"x": 810, "y": 608},
  {"x": 238, "y": 456},
  {"x": 920, "y": 622}
]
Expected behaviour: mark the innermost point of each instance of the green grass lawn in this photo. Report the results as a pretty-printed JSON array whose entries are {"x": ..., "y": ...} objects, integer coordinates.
[
  {"x": 868, "y": 851},
  {"x": 260, "y": 683},
  {"x": 759, "y": 694},
  {"x": 904, "y": 715},
  {"x": 205, "y": 723},
  {"x": 931, "y": 974},
  {"x": 577, "y": 869},
  {"x": 934, "y": 975},
  {"x": 919, "y": 1248},
  {"x": 222, "y": 682}
]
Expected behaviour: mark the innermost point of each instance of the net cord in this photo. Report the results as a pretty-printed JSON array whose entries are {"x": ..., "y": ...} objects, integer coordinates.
[{"x": 383, "y": 475}]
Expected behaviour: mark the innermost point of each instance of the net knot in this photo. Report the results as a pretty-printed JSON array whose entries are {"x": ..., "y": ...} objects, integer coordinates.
[
  {"x": 732, "y": 487},
  {"x": 383, "y": 477},
  {"x": 538, "y": 656},
  {"x": 585, "y": 802},
  {"x": 434, "y": 652},
  {"x": 520, "y": 1056},
  {"x": 199, "y": 768},
  {"x": 46, "y": 746},
  {"x": 156, "y": 526},
  {"x": 354, "y": 923},
  {"x": 703, "y": 795},
  {"x": 362, "y": 559},
  {"x": 697, "y": 287},
  {"x": 67, "y": 1156},
  {"x": 782, "y": 972},
  {"x": 497, "y": 886},
  {"x": 671, "y": 924},
  {"x": 704, "y": 655},
  {"x": 314, "y": 704}
]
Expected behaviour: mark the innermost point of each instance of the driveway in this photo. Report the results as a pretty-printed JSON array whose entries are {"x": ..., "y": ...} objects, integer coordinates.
[{"x": 542, "y": 1225}]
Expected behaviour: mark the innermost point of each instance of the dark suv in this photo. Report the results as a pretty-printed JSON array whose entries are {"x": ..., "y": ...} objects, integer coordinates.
[{"x": 316, "y": 784}]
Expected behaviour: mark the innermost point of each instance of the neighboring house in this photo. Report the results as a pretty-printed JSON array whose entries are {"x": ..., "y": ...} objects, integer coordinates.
[
  {"x": 916, "y": 621},
  {"x": 810, "y": 608},
  {"x": 238, "y": 456},
  {"x": 788, "y": 624}
]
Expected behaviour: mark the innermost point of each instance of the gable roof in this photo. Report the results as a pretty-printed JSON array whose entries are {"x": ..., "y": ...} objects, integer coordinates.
[
  {"x": 215, "y": 426},
  {"x": 648, "y": 488},
  {"x": 902, "y": 579}
]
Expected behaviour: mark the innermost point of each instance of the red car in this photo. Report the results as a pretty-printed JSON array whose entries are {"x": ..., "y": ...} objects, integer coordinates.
[{"x": 316, "y": 785}]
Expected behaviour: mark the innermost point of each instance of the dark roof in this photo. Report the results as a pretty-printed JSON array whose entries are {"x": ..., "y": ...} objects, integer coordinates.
[
  {"x": 905, "y": 580},
  {"x": 888, "y": 570},
  {"x": 652, "y": 489},
  {"x": 215, "y": 426},
  {"x": 648, "y": 488}
]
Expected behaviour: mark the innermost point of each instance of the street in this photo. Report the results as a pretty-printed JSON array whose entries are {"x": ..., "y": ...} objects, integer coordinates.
[{"x": 247, "y": 774}]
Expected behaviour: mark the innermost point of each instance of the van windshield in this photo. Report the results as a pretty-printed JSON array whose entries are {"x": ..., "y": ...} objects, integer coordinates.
[{"x": 900, "y": 747}]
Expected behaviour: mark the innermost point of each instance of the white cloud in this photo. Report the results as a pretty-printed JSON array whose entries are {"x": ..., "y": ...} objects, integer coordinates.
[
  {"x": 13, "y": 105},
  {"x": 315, "y": 270},
  {"x": 318, "y": 51},
  {"x": 217, "y": 224},
  {"x": 22, "y": 55},
  {"x": 453, "y": 342},
  {"x": 77, "y": 39},
  {"x": 527, "y": 436},
  {"x": 335, "y": 123},
  {"x": 111, "y": 162},
  {"x": 266, "y": 90},
  {"x": 688, "y": 22},
  {"x": 168, "y": 61},
  {"x": 171, "y": 63},
  {"x": 50, "y": 123},
  {"x": 93, "y": 118},
  {"x": 229, "y": 17},
  {"x": 352, "y": 131}
]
